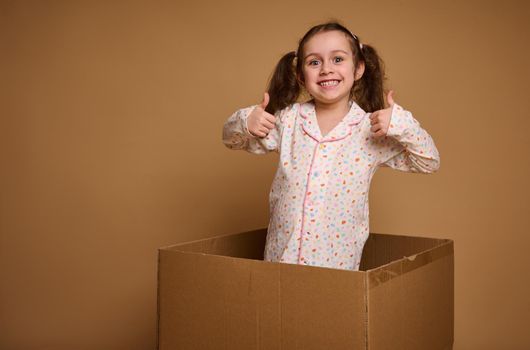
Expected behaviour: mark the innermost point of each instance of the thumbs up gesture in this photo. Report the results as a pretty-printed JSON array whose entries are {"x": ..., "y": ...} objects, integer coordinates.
[
  {"x": 259, "y": 122},
  {"x": 380, "y": 120}
]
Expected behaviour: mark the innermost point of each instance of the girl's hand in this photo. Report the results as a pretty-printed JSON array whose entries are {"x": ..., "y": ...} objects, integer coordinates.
[
  {"x": 380, "y": 120},
  {"x": 259, "y": 122}
]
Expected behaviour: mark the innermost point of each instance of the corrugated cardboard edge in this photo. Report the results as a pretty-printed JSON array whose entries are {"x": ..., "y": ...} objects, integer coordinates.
[
  {"x": 204, "y": 240},
  {"x": 366, "y": 319},
  {"x": 158, "y": 301},
  {"x": 406, "y": 264}
]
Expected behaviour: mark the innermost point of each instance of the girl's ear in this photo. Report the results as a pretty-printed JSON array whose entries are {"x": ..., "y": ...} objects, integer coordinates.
[
  {"x": 359, "y": 71},
  {"x": 300, "y": 79}
]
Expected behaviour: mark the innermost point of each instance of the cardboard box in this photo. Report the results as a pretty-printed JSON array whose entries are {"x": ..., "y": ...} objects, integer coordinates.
[{"x": 217, "y": 293}]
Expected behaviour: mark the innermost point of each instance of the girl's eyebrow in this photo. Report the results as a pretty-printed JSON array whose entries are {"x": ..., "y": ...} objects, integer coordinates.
[{"x": 316, "y": 54}]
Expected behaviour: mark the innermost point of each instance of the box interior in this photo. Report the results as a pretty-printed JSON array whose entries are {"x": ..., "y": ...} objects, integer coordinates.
[{"x": 380, "y": 249}]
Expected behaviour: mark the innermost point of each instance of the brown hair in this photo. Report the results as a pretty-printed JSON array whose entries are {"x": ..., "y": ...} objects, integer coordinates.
[{"x": 284, "y": 88}]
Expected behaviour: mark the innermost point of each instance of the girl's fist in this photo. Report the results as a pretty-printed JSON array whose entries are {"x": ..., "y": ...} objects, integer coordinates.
[
  {"x": 380, "y": 120},
  {"x": 259, "y": 122}
]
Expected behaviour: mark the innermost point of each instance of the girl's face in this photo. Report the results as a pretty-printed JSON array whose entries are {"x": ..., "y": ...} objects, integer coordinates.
[{"x": 328, "y": 67}]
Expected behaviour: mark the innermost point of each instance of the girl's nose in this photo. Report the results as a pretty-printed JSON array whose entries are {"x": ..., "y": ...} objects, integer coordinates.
[{"x": 325, "y": 68}]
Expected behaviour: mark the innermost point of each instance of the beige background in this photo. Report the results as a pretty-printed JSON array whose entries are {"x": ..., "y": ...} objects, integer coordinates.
[{"x": 111, "y": 118}]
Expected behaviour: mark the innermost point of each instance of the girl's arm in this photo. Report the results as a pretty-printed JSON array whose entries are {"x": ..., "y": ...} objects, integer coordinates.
[
  {"x": 237, "y": 136},
  {"x": 407, "y": 146}
]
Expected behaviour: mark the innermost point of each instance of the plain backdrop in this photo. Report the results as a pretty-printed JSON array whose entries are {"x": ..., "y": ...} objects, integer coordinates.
[{"x": 110, "y": 142}]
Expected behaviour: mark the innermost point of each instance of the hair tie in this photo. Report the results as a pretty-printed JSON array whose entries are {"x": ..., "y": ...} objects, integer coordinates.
[{"x": 356, "y": 38}]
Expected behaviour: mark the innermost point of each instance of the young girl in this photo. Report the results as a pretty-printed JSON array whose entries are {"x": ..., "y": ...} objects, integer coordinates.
[{"x": 329, "y": 146}]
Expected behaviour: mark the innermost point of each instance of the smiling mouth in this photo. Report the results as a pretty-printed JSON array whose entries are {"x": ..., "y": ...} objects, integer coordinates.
[{"x": 329, "y": 83}]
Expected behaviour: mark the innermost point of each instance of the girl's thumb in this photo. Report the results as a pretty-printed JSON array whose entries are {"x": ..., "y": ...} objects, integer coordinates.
[
  {"x": 390, "y": 98},
  {"x": 265, "y": 101}
]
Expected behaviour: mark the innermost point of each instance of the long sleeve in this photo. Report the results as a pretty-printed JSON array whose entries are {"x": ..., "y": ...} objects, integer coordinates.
[
  {"x": 237, "y": 137},
  {"x": 407, "y": 146}
]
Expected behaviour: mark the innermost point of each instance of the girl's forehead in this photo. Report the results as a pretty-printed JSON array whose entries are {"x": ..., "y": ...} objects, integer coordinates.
[{"x": 325, "y": 42}]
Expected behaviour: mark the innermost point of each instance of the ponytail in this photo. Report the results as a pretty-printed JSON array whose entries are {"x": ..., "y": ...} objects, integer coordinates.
[
  {"x": 369, "y": 90},
  {"x": 283, "y": 87}
]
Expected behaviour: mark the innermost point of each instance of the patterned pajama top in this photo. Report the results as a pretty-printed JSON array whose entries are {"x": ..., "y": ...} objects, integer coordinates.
[{"x": 319, "y": 196}]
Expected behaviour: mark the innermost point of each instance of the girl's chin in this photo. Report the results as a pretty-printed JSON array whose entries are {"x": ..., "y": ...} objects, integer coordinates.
[{"x": 330, "y": 98}]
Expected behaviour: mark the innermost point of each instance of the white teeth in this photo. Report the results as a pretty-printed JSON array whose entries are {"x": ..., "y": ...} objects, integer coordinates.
[{"x": 329, "y": 83}]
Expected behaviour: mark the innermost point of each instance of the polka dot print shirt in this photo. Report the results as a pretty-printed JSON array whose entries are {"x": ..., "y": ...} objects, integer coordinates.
[{"x": 319, "y": 196}]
